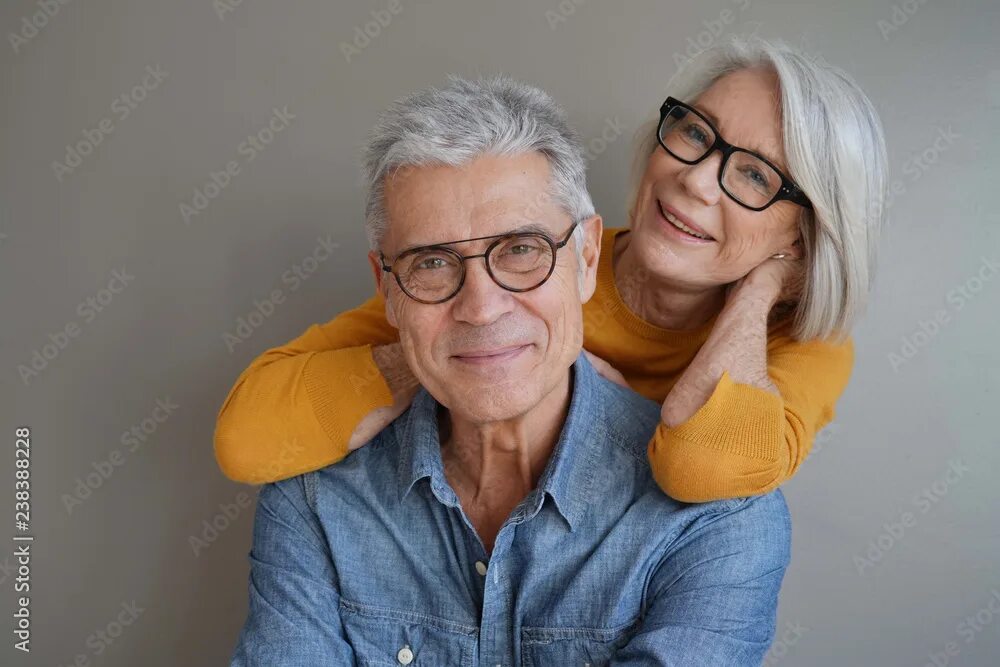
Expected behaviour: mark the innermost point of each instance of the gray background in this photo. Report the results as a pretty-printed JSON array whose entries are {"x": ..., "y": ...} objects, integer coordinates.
[{"x": 899, "y": 427}]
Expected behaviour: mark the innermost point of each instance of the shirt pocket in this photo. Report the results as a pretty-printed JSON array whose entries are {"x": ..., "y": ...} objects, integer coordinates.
[
  {"x": 574, "y": 647},
  {"x": 385, "y": 637}
]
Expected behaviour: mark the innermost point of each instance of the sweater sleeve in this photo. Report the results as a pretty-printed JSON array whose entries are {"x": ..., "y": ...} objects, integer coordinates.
[
  {"x": 746, "y": 440},
  {"x": 296, "y": 406}
]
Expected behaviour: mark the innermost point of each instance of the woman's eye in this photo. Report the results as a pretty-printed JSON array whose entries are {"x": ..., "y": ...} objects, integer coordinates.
[
  {"x": 696, "y": 133},
  {"x": 755, "y": 176}
]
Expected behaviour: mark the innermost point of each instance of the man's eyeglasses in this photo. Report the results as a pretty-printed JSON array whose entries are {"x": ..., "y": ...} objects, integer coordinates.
[
  {"x": 748, "y": 178},
  {"x": 518, "y": 262}
]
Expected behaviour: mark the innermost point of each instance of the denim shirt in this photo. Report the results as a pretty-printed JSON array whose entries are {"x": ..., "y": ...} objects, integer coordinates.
[{"x": 372, "y": 561}]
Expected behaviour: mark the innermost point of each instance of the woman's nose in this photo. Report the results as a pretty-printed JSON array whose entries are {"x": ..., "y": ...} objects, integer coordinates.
[{"x": 701, "y": 180}]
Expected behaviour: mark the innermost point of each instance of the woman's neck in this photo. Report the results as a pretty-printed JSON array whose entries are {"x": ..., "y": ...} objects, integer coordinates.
[{"x": 659, "y": 301}]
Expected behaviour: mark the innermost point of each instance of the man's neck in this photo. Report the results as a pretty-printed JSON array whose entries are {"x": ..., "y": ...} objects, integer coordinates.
[{"x": 492, "y": 466}]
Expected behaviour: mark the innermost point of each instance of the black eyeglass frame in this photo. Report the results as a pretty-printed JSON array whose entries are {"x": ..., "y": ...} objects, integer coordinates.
[
  {"x": 788, "y": 190},
  {"x": 500, "y": 238}
]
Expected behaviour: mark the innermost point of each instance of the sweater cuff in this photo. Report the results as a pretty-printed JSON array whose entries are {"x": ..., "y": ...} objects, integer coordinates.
[
  {"x": 343, "y": 387},
  {"x": 739, "y": 419}
]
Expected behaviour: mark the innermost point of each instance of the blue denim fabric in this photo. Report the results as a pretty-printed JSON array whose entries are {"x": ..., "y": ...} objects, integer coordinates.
[{"x": 373, "y": 562}]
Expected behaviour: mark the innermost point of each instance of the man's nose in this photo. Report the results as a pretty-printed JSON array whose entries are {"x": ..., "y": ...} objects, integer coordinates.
[{"x": 480, "y": 301}]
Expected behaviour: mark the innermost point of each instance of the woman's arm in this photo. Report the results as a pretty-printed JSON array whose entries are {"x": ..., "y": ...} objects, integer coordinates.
[
  {"x": 305, "y": 405},
  {"x": 742, "y": 417}
]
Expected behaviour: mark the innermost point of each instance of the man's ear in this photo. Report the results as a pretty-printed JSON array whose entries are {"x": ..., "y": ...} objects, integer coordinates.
[
  {"x": 382, "y": 286},
  {"x": 593, "y": 231},
  {"x": 376, "y": 263}
]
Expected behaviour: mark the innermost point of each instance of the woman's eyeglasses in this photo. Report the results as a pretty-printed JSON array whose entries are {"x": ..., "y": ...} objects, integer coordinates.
[{"x": 746, "y": 177}]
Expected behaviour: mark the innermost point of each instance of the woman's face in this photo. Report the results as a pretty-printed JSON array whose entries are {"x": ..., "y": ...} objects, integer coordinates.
[{"x": 745, "y": 109}]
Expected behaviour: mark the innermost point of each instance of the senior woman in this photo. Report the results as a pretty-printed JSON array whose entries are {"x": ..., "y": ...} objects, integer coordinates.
[{"x": 729, "y": 298}]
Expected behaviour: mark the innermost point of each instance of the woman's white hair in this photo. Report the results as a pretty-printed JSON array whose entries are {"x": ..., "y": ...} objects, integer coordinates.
[
  {"x": 835, "y": 151},
  {"x": 466, "y": 119}
]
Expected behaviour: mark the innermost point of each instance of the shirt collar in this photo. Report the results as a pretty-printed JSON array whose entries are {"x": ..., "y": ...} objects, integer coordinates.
[{"x": 568, "y": 474}]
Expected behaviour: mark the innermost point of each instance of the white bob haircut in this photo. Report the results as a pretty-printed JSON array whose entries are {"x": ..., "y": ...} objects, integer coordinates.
[
  {"x": 836, "y": 154},
  {"x": 465, "y": 119}
]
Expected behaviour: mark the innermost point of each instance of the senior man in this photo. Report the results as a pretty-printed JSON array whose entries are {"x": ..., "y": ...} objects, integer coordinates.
[{"x": 509, "y": 516}]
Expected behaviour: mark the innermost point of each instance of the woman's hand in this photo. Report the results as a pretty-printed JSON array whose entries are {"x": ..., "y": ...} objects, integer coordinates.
[
  {"x": 606, "y": 370},
  {"x": 779, "y": 280}
]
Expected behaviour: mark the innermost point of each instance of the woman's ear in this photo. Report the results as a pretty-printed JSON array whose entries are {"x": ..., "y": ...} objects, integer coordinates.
[{"x": 793, "y": 251}]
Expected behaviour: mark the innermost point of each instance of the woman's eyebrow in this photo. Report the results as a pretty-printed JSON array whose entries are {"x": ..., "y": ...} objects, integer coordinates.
[{"x": 768, "y": 156}]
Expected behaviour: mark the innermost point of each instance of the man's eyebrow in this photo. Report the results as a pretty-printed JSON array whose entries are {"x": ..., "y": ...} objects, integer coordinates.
[
  {"x": 715, "y": 121},
  {"x": 522, "y": 229}
]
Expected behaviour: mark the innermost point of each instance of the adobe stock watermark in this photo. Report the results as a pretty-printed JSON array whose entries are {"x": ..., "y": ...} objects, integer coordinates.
[
  {"x": 709, "y": 35},
  {"x": 899, "y": 15},
  {"x": 212, "y": 527},
  {"x": 132, "y": 440},
  {"x": 366, "y": 33},
  {"x": 293, "y": 278},
  {"x": 969, "y": 629},
  {"x": 277, "y": 465},
  {"x": 825, "y": 436},
  {"x": 121, "y": 108},
  {"x": 923, "y": 502},
  {"x": 915, "y": 167},
  {"x": 956, "y": 299},
  {"x": 563, "y": 11},
  {"x": 611, "y": 131},
  {"x": 99, "y": 641},
  {"x": 783, "y": 643},
  {"x": 87, "y": 310},
  {"x": 35, "y": 23},
  {"x": 248, "y": 150},
  {"x": 223, "y": 7}
]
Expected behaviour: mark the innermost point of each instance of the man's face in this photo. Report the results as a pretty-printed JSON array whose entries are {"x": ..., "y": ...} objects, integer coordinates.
[{"x": 486, "y": 354}]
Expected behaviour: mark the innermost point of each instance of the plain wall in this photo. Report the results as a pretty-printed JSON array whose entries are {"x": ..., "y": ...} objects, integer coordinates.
[{"x": 877, "y": 488}]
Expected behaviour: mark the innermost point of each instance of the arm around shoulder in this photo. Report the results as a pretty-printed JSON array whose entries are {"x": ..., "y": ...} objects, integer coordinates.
[
  {"x": 296, "y": 407},
  {"x": 746, "y": 440}
]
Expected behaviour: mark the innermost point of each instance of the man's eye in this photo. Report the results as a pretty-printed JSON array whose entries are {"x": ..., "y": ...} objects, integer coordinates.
[
  {"x": 521, "y": 249},
  {"x": 432, "y": 263}
]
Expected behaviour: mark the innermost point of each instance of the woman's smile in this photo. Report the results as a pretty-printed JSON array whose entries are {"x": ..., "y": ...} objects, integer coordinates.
[{"x": 676, "y": 228}]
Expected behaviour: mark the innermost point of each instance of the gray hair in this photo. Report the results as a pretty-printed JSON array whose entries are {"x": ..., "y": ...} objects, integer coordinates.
[
  {"x": 465, "y": 119},
  {"x": 836, "y": 153}
]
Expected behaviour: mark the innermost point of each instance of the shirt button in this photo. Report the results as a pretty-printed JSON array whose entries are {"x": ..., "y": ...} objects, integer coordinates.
[
  {"x": 405, "y": 655},
  {"x": 481, "y": 567}
]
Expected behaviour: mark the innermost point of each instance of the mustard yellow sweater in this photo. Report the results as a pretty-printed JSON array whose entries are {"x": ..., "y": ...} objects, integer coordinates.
[{"x": 295, "y": 407}]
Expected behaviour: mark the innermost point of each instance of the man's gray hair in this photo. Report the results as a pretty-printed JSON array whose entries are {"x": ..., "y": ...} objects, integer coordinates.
[
  {"x": 465, "y": 119},
  {"x": 836, "y": 153}
]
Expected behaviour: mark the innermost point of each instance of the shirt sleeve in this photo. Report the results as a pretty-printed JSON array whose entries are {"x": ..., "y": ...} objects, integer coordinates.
[
  {"x": 714, "y": 597},
  {"x": 295, "y": 407},
  {"x": 294, "y": 615},
  {"x": 746, "y": 440}
]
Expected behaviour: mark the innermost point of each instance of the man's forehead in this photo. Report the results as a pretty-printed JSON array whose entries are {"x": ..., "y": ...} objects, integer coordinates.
[{"x": 492, "y": 195}]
